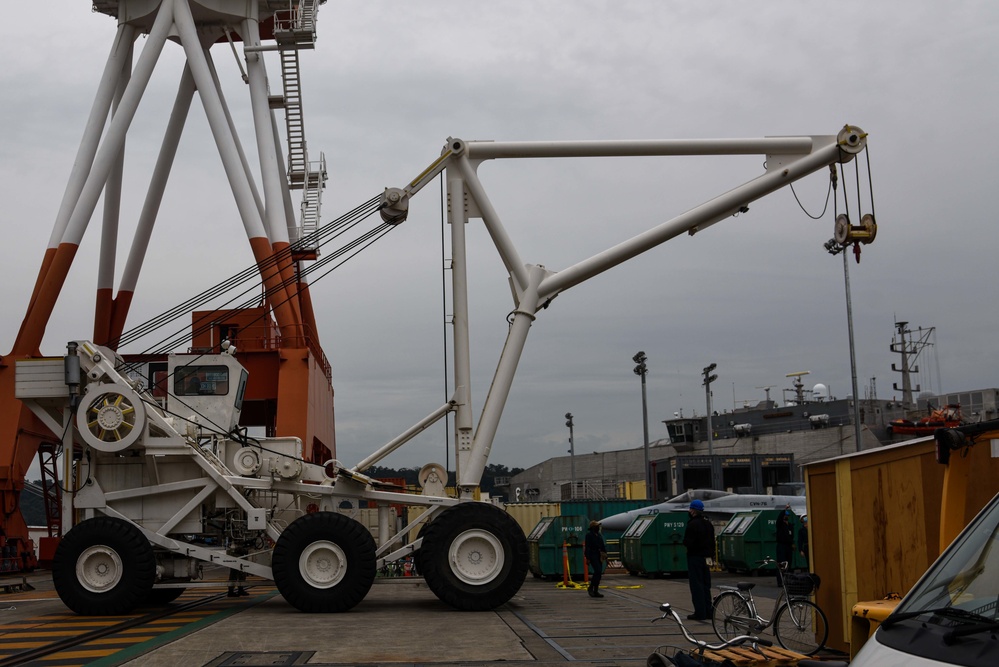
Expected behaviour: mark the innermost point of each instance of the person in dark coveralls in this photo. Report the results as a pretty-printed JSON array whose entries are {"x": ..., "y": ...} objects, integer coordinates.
[
  {"x": 785, "y": 540},
  {"x": 803, "y": 539},
  {"x": 595, "y": 553},
  {"x": 699, "y": 538}
]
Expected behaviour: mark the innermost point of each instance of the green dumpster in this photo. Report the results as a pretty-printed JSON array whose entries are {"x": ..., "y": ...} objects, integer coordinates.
[
  {"x": 653, "y": 544},
  {"x": 749, "y": 537},
  {"x": 545, "y": 542}
]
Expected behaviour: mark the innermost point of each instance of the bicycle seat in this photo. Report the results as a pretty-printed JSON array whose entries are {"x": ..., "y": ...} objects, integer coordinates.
[{"x": 745, "y": 585}]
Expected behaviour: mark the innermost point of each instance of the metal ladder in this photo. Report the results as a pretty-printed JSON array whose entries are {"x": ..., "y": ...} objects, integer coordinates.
[{"x": 295, "y": 29}]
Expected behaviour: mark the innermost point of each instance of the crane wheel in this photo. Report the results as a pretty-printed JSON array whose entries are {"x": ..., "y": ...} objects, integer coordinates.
[
  {"x": 324, "y": 562},
  {"x": 474, "y": 556},
  {"x": 103, "y": 567}
]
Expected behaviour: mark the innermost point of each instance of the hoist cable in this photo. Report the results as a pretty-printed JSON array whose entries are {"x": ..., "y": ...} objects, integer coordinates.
[
  {"x": 870, "y": 180},
  {"x": 825, "y": 206},
  {"x": 846, "y": 197},
  {"x": 856, "y": 173},
  {"x": 354, "y": 248},
  {"x": 206, "y": 322},
  {"x": 332, "y": 228}
]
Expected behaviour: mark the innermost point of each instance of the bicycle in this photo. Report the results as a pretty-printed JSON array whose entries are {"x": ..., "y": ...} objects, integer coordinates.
[
  {"x": 695, "y": 657},
  {"x": 799, "y": 624}
]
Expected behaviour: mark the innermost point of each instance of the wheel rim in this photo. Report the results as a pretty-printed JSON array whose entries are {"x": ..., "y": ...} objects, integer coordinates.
[
  {"x": 476, "y": 557},
  {"x": 98, "y": 569},
  {"x": 801, "y": 627},
  {"x": 322, "y": 564},
  {"x": 730, "y": 617}
]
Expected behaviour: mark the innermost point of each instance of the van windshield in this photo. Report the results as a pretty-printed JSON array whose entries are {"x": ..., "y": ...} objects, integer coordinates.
[
  {"x": 950, "y": 617},
  {"x": 967, "y": 575}
]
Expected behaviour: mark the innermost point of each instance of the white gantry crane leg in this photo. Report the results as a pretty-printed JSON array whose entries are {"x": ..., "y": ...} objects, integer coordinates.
[{"x": 99, "y": 162}]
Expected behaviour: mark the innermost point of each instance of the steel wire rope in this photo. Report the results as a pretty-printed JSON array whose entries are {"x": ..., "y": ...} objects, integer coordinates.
[
  {"x": 367, "y": 239},
  {"x": 293, "y": 281},
  {"x": 340, "y": 226},
  {"x": 870, "y": 180},
  {"x": 354, "y": 248},
  {"x": 846, "y": 197},
  {"x": 825, "y": 206},
  {"x": 332, "y": 229},
  {"x": 230, "y": 283},
  {"x": 371, "y": 236}
]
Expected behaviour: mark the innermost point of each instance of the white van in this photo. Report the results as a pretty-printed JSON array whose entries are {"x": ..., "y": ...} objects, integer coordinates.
[{"x": 951, "y": 615}]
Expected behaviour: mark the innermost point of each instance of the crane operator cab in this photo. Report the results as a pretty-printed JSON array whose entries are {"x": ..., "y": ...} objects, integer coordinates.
[{"x": 206, "y": 389}]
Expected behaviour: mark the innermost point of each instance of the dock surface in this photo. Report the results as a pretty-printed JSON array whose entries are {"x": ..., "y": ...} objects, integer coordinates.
[{"x": 400, "y": 622}]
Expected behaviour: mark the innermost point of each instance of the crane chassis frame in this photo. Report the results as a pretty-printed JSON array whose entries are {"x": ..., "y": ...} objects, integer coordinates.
[{"x": 162, "y": 496}]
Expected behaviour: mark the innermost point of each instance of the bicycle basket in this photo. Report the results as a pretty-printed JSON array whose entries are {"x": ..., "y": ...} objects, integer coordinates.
[{"x": 801, "y": 585}]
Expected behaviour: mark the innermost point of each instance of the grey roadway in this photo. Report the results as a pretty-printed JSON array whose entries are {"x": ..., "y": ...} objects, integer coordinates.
[{"x": 401, "y": 622}]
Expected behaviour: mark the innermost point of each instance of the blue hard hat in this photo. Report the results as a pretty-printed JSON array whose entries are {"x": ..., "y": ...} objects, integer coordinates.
[{"x": 697, "y": 505}]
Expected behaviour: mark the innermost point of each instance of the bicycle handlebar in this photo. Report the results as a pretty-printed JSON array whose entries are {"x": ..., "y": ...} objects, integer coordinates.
[{"x": 668, "y": 611}]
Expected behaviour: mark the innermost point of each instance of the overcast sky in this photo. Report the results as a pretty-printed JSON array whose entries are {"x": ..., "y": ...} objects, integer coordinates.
[{"x": 387, "y": 84}]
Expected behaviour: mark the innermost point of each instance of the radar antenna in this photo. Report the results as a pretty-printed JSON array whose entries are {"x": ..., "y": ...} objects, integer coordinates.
[{"x": 799, "y": 386}]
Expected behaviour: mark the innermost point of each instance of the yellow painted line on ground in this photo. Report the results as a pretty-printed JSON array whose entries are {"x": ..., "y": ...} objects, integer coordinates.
[
  {"x": 136, "y": 631},
  {"x": 22, "y": 645},
  {"x": 53, "y": 633},
  {"x": 72, "y": 655},
  {"x": 80, "y": 624},
  {"x": 180, "y": 619},
  {"x": 112, "y": 640}
]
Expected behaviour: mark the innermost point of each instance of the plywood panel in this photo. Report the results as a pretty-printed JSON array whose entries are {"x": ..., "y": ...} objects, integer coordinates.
[
  {"x": 884, "y": 536},
  {"x": 824, "y": 552},
  {"x": 892, "y": 529}
]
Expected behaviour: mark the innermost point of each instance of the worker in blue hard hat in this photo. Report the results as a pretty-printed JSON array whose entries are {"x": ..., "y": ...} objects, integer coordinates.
[{"x": 699, "y": 539}]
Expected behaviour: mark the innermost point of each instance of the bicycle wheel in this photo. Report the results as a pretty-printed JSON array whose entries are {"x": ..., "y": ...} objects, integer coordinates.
[
  {"x": 801, "y": 626},
  {"x": 730, "y": 616}
]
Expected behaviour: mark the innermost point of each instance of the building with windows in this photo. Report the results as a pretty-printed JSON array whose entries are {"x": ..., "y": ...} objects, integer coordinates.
[{"x": 758, "y": 449}]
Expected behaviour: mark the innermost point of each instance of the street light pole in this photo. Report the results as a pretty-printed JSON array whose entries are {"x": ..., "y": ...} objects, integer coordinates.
[
  {"x": 641, "y": 370},
  {"x": 572, "y": 456},
  {"x": 708, "y": 379},
  {"x": 835, "y": 248}
]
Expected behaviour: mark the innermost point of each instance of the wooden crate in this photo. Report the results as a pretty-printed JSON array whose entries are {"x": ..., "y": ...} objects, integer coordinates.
[
  {"x": 874, "y": 522},
  {"x": 745, "y": 656}
]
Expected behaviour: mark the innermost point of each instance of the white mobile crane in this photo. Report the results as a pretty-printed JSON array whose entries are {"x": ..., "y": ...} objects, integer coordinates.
[{"x": 162, "y": 493}]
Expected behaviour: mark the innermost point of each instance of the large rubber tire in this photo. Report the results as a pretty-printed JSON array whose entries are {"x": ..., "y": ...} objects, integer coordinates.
[
  {"x": 324, "y": 562},
  {"x": 474, "y": 556},
  {"x": 103, "y": 567},
  {"x": 730, "y": 616},
  {"x": 805, "y": 631}
]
